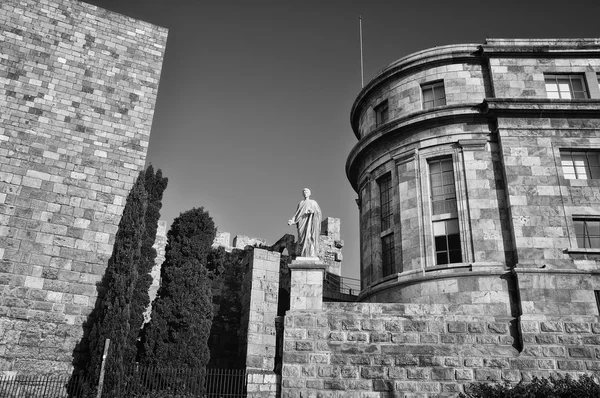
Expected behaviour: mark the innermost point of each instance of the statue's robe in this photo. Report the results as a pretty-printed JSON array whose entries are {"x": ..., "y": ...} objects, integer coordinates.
[{"x": 308, "y": 221}]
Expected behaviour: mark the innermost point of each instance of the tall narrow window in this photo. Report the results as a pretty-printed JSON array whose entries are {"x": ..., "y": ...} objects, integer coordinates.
[
  {"x": 388, "y": 263},
  {"x": 444, "y": 212},
  {"x": 565, "y": 86},
  {"x": 381, "y": 113},
  {"x": 388, "y": 260},
  {"x": 580, "y": 164},
  {"x": 385, "y": 200},
  {"x": 433, "y": 94}
]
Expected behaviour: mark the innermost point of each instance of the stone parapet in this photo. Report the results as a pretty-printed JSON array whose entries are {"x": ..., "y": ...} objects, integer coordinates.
[{"x": 382, "y": 349}]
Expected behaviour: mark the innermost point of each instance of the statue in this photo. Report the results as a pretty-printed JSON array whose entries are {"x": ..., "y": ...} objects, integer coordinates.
[{"x": 308, "y": 221}]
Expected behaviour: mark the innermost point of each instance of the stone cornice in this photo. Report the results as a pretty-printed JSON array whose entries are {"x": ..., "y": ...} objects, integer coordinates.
[
  {"x": 541, "y": 105},
  {"x": 417, "y": 120},
  {"x": 451, "y": 54}
]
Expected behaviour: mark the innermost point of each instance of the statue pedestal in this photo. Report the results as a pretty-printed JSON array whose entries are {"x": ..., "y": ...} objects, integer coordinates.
[{"x": 306, "y": 291}]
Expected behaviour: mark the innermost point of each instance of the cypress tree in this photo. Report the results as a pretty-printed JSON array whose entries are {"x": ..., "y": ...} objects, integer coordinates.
[
  {"x": 178, "y": 331},
  {"x": 114, "y": 308},
  {"x": 155, "y": 185}
]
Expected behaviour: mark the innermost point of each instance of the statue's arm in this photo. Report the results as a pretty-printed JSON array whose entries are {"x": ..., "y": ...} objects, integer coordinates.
[{"x": 297, "y": 215}]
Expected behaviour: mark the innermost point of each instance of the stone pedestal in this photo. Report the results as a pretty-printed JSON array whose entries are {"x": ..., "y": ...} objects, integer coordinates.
[{"x": 306, "y": 291}]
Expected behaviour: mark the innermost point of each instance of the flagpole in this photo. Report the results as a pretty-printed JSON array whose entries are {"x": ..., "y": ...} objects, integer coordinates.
[{"x": 362, "y": 72}]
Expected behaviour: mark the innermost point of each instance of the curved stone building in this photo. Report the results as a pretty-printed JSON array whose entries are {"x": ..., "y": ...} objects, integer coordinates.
[{"x": 478, "y": 176}]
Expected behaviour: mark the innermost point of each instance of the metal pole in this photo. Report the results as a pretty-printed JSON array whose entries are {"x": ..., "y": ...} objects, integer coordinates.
[
  {"x": 101, "y": 381},
  {"x": 362, "y": 72}
]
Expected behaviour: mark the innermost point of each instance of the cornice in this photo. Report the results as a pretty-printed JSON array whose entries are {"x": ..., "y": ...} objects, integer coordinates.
[
  {"x": 451, "y": 54},
  {"x": 449, "y": 114}
]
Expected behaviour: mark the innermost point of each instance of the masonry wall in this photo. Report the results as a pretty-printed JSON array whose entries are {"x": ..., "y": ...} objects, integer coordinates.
[
  {"x": 410, "y": 350},
  {"x": 555, "y": 276},
  {"x": 78, "y": 86}
]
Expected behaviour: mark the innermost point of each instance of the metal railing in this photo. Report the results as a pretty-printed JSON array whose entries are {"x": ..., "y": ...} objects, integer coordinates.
[
  {"x": 138, "y": 381},
  {"x": 41, "y": 386},
  {"x": 338, "y": 284}
]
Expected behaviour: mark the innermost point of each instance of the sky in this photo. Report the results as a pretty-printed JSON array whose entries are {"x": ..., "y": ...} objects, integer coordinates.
[{"x": 255, "y": 96}]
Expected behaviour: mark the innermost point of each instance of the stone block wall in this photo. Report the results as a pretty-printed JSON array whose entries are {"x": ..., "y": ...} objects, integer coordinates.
[
  {"x": 258, "y": 333},
  {"x": 78, "y": 86},
  {"x": 411, "y": 350},
  {"x": 463, "y": 82}
]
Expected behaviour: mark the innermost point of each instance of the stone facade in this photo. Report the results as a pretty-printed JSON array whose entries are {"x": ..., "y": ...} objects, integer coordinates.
[
  {"x": 78, "y": 86},
  {"x": 502, "y": 132}
]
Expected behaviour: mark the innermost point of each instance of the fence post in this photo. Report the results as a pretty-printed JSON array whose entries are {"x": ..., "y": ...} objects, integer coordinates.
[{"x": 101, "y": 380}]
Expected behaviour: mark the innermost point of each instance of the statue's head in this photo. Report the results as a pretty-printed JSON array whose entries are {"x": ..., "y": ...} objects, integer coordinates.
[{"x": 306, "y": 193}]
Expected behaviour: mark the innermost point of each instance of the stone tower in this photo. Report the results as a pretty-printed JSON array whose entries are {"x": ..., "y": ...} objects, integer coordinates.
[{"x": 78, "y": 86}]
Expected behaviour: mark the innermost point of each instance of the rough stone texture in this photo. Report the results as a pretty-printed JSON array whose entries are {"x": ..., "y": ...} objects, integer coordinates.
[
  {"x": 78, "y": 86},
  {"x": 378, "y": 349}
]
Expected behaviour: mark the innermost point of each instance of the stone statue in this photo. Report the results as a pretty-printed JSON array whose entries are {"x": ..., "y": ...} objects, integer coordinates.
[{"x": 308, "y": 221}]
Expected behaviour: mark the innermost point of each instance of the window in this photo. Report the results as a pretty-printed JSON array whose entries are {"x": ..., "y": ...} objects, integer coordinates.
[
  {"x": 433, "y": 94},
  {"x": 447, "y": 241},
  {"x": 565, "y": 86},
  {"x": 386, "y": 214},
  {"x": 385, "y": 200},
  {"x": 388, "y": 261},
  {"x": 587, "y": 233},
  {"x": 444, "y": 212},
  {"x": 580, "y": 164},
  {"x": 381, "y": 113},
  {"x": 597, "y": 294}
]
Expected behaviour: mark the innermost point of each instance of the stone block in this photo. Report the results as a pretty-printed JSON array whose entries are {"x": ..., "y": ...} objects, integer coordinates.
[
  {"x": 581, "y": 352},
  {"x": 383, "y": 385},
  {"x": 487, "y": 375},
  {"x": 373, "y": 372},
  {"x": 577, "y": 327},
  {"x": 442, "y": 374},
  {"x": 571, "y": 365}
]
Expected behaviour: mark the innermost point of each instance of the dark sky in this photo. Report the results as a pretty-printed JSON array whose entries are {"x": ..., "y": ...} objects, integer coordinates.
[{"x": 255, "y": 96}]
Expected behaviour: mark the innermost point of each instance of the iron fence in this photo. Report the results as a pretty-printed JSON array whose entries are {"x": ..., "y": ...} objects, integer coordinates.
[
  {"x": 338, "y": 284},
  {"x": 41, "y": 386},
  {"x": 135, "y": 382}
]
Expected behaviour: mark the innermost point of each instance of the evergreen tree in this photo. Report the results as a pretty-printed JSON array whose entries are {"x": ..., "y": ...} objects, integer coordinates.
[
  {"x": 178, "y": 331},
  {"x": 155, "y": 185},
  {"x": 113, "y": 311}
]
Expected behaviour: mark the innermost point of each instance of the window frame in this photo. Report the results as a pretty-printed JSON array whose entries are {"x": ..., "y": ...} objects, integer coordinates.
[
  {"x": 586, "y": 236},
  {"x": 435, "y": 102},
  {"x": 571, "y": 77},
  {"x": 382, "y": 113},
  {"x": 388, "y": 255},
  {"x": 386, "y": 203},
  {"x": 385, "y": 186},
  {"x": 587, "y": 171},
  {"x": 444, "y": 219}
]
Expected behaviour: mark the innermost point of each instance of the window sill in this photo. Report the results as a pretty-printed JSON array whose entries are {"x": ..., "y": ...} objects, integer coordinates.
[{"x": 583, "y": 251}]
